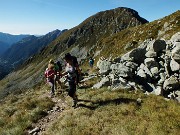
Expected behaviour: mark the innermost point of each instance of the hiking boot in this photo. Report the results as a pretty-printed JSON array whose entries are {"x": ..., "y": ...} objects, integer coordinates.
[
  {"x": 52, "y": 95},
  {"x": 74, "y": 103}
]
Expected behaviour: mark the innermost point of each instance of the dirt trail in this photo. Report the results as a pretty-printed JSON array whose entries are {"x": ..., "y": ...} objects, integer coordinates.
[{"x": 44, "y": 123}]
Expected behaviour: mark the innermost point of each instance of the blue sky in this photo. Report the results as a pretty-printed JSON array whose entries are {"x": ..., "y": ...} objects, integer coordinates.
[{"x": 43, "y": 16}]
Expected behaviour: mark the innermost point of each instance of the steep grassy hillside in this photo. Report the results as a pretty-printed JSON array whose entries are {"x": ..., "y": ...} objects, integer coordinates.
[{"x": 100, "y": 111}]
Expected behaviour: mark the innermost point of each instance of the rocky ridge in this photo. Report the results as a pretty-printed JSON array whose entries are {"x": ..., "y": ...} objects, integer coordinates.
[{"x": 153, "y": 67}]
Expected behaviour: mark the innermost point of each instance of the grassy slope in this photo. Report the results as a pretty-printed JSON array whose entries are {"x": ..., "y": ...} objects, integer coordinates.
[
  {"x": 19, "y": 111},
  {"x": 108, "y": 112},
  {"x": 105, "y": 112}
]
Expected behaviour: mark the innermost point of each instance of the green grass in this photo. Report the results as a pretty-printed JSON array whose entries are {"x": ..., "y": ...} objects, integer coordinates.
[
  {"x": 105, "y": 112},
  {"x": 18, "y": 112}
]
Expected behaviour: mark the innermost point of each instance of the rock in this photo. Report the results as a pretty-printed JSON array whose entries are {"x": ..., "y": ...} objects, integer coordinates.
[
  {"x": 159, "y": 45},
  {"x": 162, "y": 76},
  {"x": 156, "y": 46},
  {"x": 104, "y": 82},
  {"x": 121, "y": 70},
  {"x": 36, "y": 129},
  {"x": 120, "y": 84},
  {"x": 155, "y": 71},
  {"x": 158, "y": 90},
  {"x": 176, "y": 53},
  {"x": 150, "y": 63},
  {"x": 174, "y": 65},
  {"x": 175, "y": 37},
  {"x": 139, "y": 101},
  {"x": 104, "y": 66},
  {"x": 171, "y": 83},
  {"x": 138, "y": 55},
  {"x": 151, "y": 54},
  {"x": 141, "y": 73}
]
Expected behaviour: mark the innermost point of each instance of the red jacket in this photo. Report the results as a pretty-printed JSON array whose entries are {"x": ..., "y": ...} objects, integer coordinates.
[{"x": 49, "y": 73}]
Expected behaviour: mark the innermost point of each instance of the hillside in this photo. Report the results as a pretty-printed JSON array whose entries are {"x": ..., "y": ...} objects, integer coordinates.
[
  {"x": 27, "y": 47},
  {"x": 109, "y": 34},
  {"x": 8, "y": 40}
]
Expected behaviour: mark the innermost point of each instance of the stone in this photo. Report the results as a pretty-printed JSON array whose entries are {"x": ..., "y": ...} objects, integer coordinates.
[
  {"x": 171, "y": 83},
  {"x": 141, "y": 73},
  {"x": 175, "y": 37},
  {"x": 158, "y": 90},
  {"x": 138, "y": 55},
  {"x": 150, "y": 62},
  {"x": 104, "y": 66},
  {"x": 36, "y": 129},
  {"x": 121, "y": 70},
  {"x": 154, "y": 71},
  {"x": 105, "y": 81},
  {"x": 174, "y": 65},
  {"x": 151, "y": 54},
  {"x": 176, "y": 53}
]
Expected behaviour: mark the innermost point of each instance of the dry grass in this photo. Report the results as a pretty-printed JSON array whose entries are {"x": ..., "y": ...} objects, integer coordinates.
[
  {"x": 105, "y": 112},
  {"x": 18, "y": 112}
]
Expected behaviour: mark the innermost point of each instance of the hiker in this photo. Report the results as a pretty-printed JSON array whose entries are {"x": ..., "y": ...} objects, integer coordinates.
[
  {"x": 49, "y": 74},
  {"x": 91, "y": 62},
  {"x": 58, "y": 69},
  {"x": 70, "y": 73},
  {"x": 76, "y": 65}
]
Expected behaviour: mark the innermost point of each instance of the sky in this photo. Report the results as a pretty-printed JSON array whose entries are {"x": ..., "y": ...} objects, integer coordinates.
[{"x": 39, "y": 17}]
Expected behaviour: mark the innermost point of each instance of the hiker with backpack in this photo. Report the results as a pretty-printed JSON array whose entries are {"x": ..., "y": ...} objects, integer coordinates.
[
  {"x": 58, "y": 69},
  {"x": 71, "y": 75},
  {"x": 76, "y": 65},
  {"x": 91, "y": 62},
  {"x": 50, "y": 74}
]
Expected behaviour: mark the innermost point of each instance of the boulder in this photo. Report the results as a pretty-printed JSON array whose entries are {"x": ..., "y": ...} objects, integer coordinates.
[
  {"x": 141, "y": 73},
  {"x": 105, "y": 81},
  {"x": 121, "y": 70},
  {"x": 138, "y": 55},
  {"x": 151, "y": 54},
  {"x": 176, "y": 53},
  {"x": 150, "y": 63},
  {"x": 104, "y": 66},
  {"x": 120, "y": 83},
  {"x": 174, "y": 65},
  {"x": 156, "y": 46},
  {"x": 171, "y": 83},
  {"x": 159, "y": 45},
  {"x": 175, "y": 37},
  {"x": 158, "y": 90}
]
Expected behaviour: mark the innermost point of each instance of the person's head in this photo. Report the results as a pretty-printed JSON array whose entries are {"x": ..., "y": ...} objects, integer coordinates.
[
  {"x": 50, "y": 66},
  {"x": 68, "y": 57},
  {"x": 51, "y": 61}
]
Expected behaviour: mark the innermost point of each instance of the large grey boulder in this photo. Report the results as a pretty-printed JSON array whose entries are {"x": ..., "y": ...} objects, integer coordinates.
[
  {"x": 141, "y": 73},
  {"x": 156, "y": 46},
  {"x": 174, "y": 65},
  {"x": 159, "y": 45},
  {"x": 104, "y": 66},
  {"x": 151, "y": 54},
  {"x": 150, "y": 63},
  {"x": 175, "y": 37},
  {"x": 121, "y": 70},
  {"x": 120, "y": 83},
  {"x": 138, "y": 55},
  {"x": 171, "y": 83},
  {"x": 176, "y": 53},
  {"x": 105, "y": 81}
]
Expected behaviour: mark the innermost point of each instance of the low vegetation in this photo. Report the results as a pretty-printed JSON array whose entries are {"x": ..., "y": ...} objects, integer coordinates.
[
  {"x": 117, "y": 112},
  {"x": 18, "y": 112}
]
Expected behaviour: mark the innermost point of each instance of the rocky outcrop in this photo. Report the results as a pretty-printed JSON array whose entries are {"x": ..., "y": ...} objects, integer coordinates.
[{"x": 153, "y": 67}]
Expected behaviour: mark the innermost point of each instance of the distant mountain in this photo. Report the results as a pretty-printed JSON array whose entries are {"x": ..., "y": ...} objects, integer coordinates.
[
  {"x": 6, "y": 40},
  {"x": 27, "y": 47},
  {"x": 95, "y": 28},
  {"x": 4, "y": 46}
]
